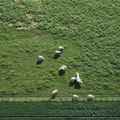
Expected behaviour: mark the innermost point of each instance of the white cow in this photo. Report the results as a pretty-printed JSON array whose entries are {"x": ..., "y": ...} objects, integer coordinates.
[
  {"x": 90, "y": 97},
  {"x": 60, "y": 48},
  {"x": 73, "y": 79},
  {"x": 57, "y": 52},
  {"x": 75, "y": 97},
  {"x": 63, "y": 67},
  {"x": 78, "y": 78},
  {"x": 40, "y": 58},
  {"x": 54, "y": 92}
]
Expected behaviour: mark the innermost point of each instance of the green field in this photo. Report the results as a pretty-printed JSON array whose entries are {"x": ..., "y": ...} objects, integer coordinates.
[
  {"x": 60, "y": 110},
  {"x": 89, "y": 31}
]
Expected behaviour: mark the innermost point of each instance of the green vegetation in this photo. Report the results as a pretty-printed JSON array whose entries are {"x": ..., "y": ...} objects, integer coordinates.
[
  {"x": 58, "y": 99},
  {"x": 60, "y": 110},
  {"x": 89, "y": 31}
]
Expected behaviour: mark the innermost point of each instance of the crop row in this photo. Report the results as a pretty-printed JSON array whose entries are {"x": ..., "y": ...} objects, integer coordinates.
[
  {"x": 60, "y": 109},
  {"x": 60, "y": 118}
]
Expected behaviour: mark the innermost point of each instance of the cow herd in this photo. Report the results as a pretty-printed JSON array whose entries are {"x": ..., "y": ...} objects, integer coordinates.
[{"x": 75, "y": 80}]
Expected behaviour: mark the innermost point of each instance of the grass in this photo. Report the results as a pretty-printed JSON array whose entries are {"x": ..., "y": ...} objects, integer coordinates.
[
  {"x": 89, "y": 31},
  {"x": 61, "y": 99}
]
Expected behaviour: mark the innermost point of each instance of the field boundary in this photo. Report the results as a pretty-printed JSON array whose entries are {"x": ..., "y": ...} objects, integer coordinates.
[
  {"x": 59, "y": 117},
  {"x": 59, "y": 98}
]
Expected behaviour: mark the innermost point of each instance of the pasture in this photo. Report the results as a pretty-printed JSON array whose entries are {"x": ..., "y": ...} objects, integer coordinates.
[{"x": 89, "y": 32}]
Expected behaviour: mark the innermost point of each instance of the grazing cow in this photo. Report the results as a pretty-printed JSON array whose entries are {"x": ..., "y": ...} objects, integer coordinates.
[
  {"x": 55, "y": 91},
  {"x": 40, "y": 59},
  {"x": 60, "y": 48},
  {"x": 75, "y": 97},
  {"x": 62, "y": 69},
  {"x": 54, "y": 94},
  {"x": 73, "y": 79},
  {"x": 90, "y": 97},
  {"x": 76, "y": 81},
  {"x": 78, "y": 78},
  {"x": 57, "y": 54}
]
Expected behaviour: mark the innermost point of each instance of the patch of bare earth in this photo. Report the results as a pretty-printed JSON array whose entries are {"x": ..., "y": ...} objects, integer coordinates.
[
  {"x": 29, "y": 15},
  {"x": 20, "y": 26},
  {"x": 33, "y": 22}
]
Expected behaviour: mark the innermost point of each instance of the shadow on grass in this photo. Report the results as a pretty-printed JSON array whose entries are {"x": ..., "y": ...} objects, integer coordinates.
[
  {"x": 39, "y": 62},
  {"x": 61, "y": 72},
  {"x": 56, "y": 56},
  {"x": 75, "y": 84}
]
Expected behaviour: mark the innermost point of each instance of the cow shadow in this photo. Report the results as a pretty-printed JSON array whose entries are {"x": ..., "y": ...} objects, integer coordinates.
[
  {"x": 56, "y": 56},
  {"x": 75, "y": 84},
  {"x": 61, "y": 72},
  {"x": 39, "y": 62},
  {"x": 53, "y": 97}
]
